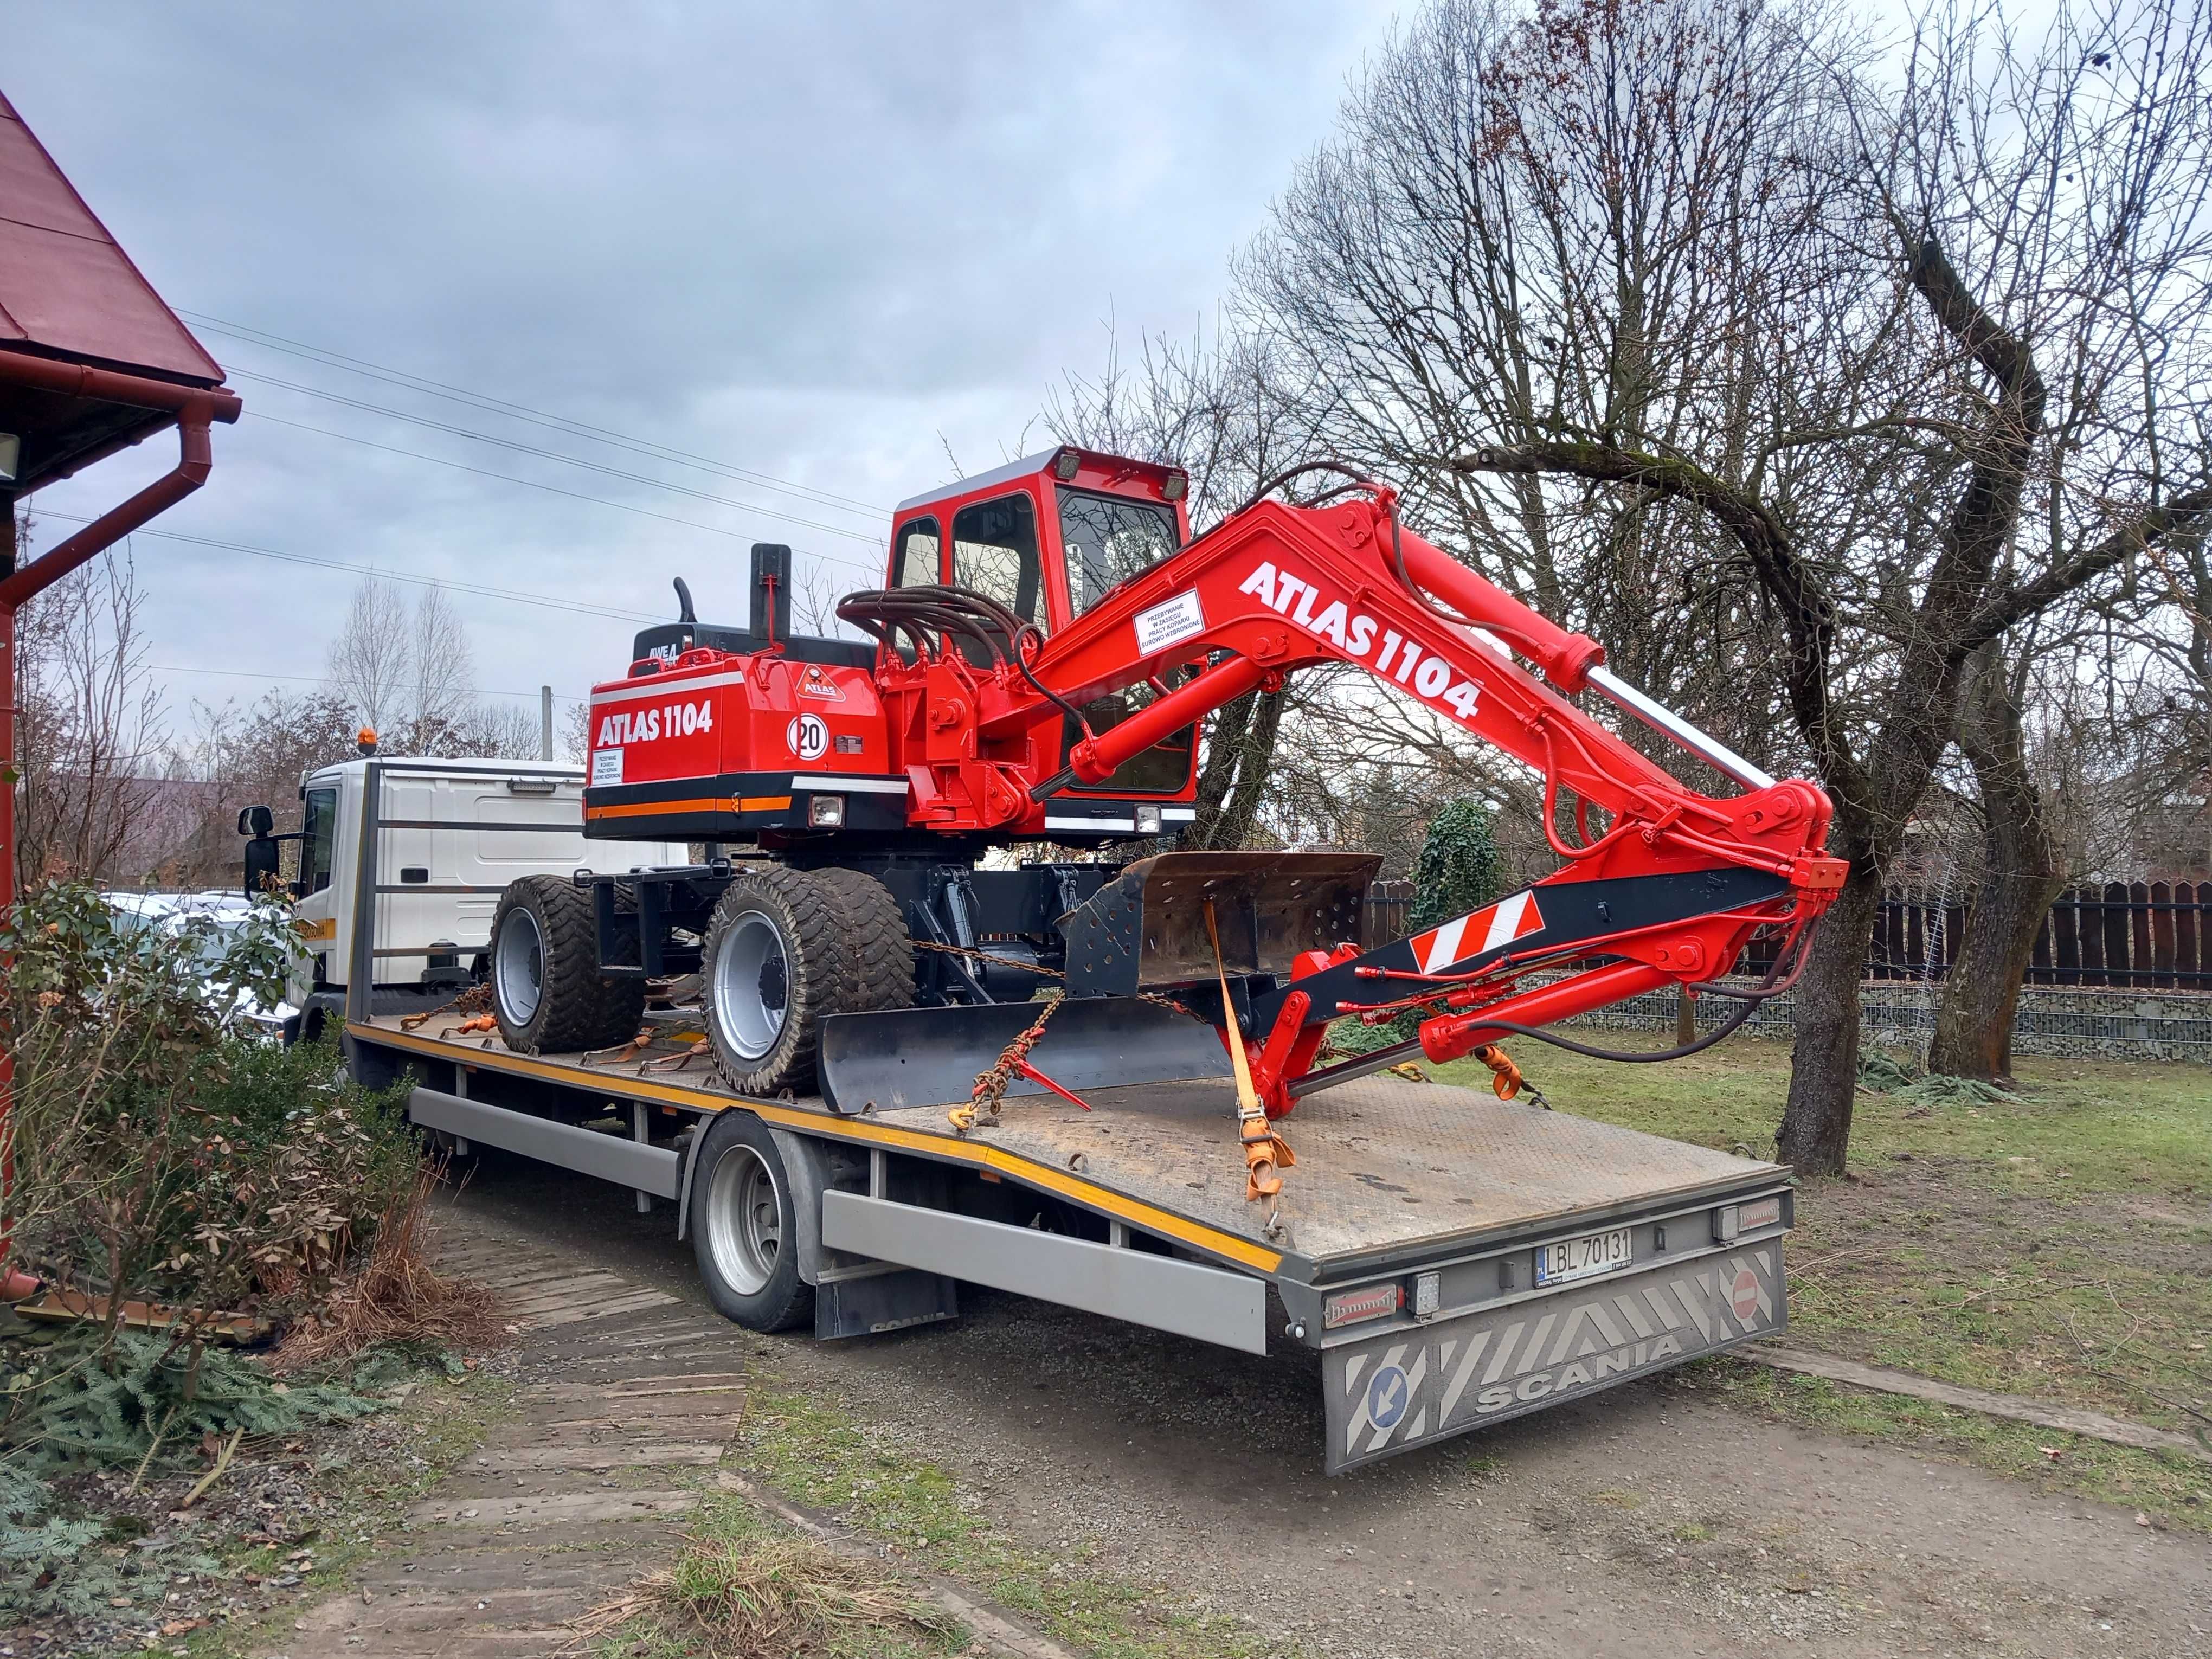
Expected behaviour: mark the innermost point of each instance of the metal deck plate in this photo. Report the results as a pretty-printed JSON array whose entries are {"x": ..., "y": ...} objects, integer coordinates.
[
  {"x": 1387, "y": 1168},
  {"x": 1384, "y": 1164}
]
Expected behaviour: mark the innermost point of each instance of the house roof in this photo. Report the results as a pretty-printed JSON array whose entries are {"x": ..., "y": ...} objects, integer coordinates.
[{"x": 67, "y": 288}]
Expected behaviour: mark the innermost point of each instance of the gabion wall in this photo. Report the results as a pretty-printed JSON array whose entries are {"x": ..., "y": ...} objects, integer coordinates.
[{"x": 1893, "y": 1014}]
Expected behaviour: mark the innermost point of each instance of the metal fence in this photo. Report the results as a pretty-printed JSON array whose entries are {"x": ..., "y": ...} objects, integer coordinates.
[{"x": 2140, "y": 935}]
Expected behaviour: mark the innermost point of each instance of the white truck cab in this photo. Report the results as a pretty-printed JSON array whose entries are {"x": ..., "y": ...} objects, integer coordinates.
[{"x": 455, "y": 833}]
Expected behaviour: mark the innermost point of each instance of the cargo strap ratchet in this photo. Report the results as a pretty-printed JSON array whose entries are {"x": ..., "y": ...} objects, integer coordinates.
[{"x": 1266, "y": 1153}]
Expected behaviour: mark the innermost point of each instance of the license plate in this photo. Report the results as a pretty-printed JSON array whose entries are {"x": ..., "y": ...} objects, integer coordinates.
[{"x": 1583, "y": 1258}]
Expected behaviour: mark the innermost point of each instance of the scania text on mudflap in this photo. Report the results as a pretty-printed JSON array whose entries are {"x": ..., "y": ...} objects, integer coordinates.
[{"x": 900, "y": 1024}]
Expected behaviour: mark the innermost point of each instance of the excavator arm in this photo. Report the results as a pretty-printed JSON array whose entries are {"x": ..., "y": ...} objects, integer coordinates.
[{"x": 1669, "y": 888}]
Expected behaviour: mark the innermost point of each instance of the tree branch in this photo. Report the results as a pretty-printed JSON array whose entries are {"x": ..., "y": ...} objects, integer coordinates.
[
  {"x": 2178, "y": 515},
  {"x": 1809, "y": 614}
]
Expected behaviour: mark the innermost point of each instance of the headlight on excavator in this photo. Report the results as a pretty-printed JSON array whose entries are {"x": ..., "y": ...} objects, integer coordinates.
[{"x": 826, "y": 812}]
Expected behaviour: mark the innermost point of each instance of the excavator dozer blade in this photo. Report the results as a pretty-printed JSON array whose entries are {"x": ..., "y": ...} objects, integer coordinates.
[
  {"x": 931, "y": 1056},
  {"x": 1145, "y": 929}
]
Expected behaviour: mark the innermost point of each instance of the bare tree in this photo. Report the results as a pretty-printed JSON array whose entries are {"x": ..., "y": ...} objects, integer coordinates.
[
  {"x": 88, "y": 729},
  {"x": 372, "y": 661},
  {"x": 406, "y": 673},
  {"x": 1746, "y": 350},
  {"x": 1212, "y": 408},
  {"x": 439, "y": 656}
]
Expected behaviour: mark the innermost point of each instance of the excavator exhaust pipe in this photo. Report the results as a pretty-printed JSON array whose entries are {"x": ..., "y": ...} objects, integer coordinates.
[{"x": 1143, "y": 932}]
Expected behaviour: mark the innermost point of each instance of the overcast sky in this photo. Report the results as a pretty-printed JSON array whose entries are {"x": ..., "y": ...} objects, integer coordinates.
[{"x": 821, "y": 245}]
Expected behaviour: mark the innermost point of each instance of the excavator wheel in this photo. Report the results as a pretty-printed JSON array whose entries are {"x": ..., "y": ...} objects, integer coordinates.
[
  {"x": 883, "y": 949},
  {"x": 777, "y": 960},
  {"x": 548, "y": 993}
]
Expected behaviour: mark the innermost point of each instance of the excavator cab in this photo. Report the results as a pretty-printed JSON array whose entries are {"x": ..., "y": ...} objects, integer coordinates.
[{"x": 1050, "y": 536}]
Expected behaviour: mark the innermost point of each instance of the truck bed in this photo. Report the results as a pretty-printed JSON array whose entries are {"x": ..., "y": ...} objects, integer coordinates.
[{"x": 1391, "y": 1173}]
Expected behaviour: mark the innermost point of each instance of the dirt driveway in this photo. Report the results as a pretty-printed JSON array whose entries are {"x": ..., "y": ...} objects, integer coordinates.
[{"x": 1653, "y": 1520}]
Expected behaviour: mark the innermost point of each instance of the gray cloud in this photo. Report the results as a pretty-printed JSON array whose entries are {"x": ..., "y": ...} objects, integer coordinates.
[{"x": 805, "y": 241}]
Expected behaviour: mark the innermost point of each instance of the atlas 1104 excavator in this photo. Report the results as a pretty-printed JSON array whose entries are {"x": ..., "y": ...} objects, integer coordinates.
[{"x": 1047, "y": 644}]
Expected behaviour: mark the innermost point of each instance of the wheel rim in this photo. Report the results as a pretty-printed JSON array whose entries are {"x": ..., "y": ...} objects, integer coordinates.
[
  {"x": 752, "y": 986},
  {"x": 519, "y": 966},
  {"x": 744, "y": 1220}
]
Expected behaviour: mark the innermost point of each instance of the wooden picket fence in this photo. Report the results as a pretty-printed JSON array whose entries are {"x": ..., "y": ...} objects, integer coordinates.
[{"x": 2139, "y": 935}]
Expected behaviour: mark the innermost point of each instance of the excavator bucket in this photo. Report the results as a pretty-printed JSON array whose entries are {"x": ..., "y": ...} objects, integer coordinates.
[
  {"x": 1145, "y": 929},
  {"x": 931, "y": 1056}
]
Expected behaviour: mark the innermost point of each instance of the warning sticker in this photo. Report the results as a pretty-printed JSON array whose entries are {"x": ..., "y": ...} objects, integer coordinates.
[
  {"x": 1167, "y": 625},
  {"x": 606, "y": 767},
  {"x": 814, "y": 682}
]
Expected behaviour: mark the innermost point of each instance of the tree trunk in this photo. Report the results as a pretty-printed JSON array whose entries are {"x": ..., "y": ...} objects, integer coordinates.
[
  {"x": 1824, "y": 1069},
  {"x": 2023, "y": 870},
  {"x": 1232, "y": 787}
]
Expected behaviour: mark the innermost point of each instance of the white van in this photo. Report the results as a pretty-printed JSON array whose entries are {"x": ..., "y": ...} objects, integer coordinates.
[{"x": 455, "y": 833}]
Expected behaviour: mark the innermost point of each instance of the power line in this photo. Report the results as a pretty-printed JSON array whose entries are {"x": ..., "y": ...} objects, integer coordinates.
[
  {"x": 323, "y": 679},
  {"x": 251, "y": 335},
  {"x": 549, "y": 454},
  {"x": 533, "y": 484},
  {"x": 517, "y": 597}
]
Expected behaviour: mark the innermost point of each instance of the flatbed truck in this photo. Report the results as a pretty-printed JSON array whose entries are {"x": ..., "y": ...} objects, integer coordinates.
[{"x": 1453, "y": 1260}]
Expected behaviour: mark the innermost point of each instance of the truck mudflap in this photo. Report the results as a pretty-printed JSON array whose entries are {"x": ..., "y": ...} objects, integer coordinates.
[{"x": 1402, "y": 1388}]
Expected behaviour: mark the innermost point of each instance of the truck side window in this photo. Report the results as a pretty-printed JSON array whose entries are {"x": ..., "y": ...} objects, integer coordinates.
[
  {"x": 321, "y": 841},
  {"x": 917, "y": 564},
  {"x": 994, "y": 551}
]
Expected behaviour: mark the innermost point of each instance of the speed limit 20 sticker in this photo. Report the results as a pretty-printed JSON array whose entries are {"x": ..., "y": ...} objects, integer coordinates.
[{"x": 807, "y": 737}]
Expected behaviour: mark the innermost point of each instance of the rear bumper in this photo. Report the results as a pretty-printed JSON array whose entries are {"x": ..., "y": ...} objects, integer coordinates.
[{"x": 1401, "y": 1387}]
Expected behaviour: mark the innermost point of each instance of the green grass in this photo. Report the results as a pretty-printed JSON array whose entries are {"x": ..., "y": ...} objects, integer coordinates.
[
  {"x": 2057, "y": 1243},
  {"x": 817, "y": 1455},
  {"x": 734, "y": 1553}
]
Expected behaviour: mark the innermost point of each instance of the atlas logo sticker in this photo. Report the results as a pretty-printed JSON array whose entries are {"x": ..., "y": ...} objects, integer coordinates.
[
  {"x": 1404, "y": 661},
  {"x": 814, "y": 682},
  {"x": 651, "y": 723},
  {"x": 1388, "y": 1394},
  {"x": 807, "y": 737},
  {"x": 1502, "y": 923}
]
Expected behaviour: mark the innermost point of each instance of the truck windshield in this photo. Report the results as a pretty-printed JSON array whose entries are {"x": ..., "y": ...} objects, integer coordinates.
[
  {"x": 319, "y": 841},
  {"x": 1109, "y": 539}
]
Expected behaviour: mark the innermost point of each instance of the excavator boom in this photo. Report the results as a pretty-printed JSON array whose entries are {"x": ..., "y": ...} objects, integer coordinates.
[{"x": 1669, "y": 888}]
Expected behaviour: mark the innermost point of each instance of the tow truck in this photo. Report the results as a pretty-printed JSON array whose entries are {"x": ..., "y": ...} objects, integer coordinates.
[{"x": 906, "y": 1022}]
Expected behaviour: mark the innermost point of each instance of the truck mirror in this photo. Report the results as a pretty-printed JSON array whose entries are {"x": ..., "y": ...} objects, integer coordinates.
[
  {"x": 255, "y": 821},
  {"x": 261, "y": 854}
]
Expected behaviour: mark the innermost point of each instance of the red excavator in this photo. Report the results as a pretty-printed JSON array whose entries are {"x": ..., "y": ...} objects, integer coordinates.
[{"x": 1037, "y": 666}]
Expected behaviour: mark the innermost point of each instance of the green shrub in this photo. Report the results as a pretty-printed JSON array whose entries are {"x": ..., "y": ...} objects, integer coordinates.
[
  {"x": 159, "y": 1155},
  {"x": 1459, "y": 869}
]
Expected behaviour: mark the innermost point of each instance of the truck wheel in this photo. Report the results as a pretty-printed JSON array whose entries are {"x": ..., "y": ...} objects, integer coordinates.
[
  {"x": 774, "y": 962},
  {"x": 876, "y": 933},
  {"x": 548, "y": 993},
  {"x": 744, "y": 1228}
]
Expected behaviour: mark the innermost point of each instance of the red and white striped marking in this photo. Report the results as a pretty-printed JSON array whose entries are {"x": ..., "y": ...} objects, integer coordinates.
[{"x": 1470, "y": 935}]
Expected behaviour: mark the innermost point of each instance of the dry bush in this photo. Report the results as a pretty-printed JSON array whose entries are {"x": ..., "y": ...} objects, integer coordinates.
[
  {"x": 767, "y": 1596},
  {"x": 394, "y": 1295}
]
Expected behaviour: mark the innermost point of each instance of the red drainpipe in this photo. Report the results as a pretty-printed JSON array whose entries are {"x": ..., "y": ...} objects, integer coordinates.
[{"x": 194, "y": 407}]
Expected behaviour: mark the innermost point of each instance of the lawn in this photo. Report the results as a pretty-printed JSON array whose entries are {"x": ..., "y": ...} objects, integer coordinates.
[{"x": 2057, "y": 1243}]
